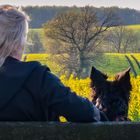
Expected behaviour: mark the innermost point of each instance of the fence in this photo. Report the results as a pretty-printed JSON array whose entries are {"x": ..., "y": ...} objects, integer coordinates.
[{"x": 69, "y": 131}]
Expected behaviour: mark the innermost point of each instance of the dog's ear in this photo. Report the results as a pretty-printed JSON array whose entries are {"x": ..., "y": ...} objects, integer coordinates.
[
  {"x": 97, "y": 77},
  {"x": 123, "y": 79}
]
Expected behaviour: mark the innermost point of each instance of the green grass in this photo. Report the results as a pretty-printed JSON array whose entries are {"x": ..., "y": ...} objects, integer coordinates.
[
  {"x": 109, "y": 63},
  {"x": 112, "y": 63}
]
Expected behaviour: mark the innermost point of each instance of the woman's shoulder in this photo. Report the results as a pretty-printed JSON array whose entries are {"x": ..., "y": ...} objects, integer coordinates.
[
  {"x": 38, "y": 67},
  {"x": 18, "y": 68}
]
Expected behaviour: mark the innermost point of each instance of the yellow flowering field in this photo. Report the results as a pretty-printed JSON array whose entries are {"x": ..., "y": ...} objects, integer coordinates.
[
  {"x": 134, "y": 105},
  {"x": 111, "y": 62},
  {"x": 43, "y": 59},
  {"x": 82, "y": 88},
  {"x": 134, "y": 27}
]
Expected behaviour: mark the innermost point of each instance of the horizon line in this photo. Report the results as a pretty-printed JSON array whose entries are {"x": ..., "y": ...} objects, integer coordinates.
[{"x": 75, "y": 6}]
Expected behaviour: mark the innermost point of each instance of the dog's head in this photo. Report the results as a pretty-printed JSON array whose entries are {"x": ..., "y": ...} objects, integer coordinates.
[{"x": 111, "y": 97}]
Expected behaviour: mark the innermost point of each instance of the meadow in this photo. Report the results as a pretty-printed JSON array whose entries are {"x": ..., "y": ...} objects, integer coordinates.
[{"x": 109, "y": 63}]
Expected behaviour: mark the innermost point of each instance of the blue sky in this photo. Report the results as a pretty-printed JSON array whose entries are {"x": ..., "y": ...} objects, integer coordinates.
[{"x": 97, "y": 3}]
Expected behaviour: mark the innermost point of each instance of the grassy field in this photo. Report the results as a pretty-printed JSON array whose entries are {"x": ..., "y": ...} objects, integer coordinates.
[
  {"x": 113, "y": 63},
  {"x": 109, "y": 63}
]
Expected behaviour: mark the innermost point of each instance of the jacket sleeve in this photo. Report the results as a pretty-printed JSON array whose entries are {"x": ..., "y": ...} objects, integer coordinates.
[{"x": 63, "y": 102}]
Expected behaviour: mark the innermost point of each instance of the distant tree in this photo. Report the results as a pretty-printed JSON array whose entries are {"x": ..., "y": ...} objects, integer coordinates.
[
  {"x": 34, "y": 44},
  {"x": 122, "y": 39},
  {"x": 79, "y": 32},
  {"x": 130, "y": 42}
]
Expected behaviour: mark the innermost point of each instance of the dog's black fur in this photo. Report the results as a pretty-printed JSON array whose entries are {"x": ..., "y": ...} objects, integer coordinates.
[{"x": 111, "y": 97}]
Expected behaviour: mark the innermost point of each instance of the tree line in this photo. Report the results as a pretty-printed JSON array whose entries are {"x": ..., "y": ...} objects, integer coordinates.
[{"x": 42, "y": 14}]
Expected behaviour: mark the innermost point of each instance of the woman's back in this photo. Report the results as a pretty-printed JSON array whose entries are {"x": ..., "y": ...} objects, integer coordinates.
[
  {"x": 28, "y": 90},
  {"x": 17, "y": 102}
]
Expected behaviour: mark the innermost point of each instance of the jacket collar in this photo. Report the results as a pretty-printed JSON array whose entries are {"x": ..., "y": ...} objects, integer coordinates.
[{"x": 11, "y": 58}]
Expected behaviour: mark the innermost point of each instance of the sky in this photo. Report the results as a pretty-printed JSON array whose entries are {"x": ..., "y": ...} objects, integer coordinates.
[{"x": 134, "y": 4}]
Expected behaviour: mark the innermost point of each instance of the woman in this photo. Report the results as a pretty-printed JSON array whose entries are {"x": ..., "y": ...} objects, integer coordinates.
[{"x": 28, "y": 90}]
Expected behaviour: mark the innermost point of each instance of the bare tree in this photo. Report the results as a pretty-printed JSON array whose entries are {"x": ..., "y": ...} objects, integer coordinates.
[
  {"x": 130, "y": 42},
  {"x": 115, "y": 37},
  {"x": 80, "y": 33},
  {"x": 34, "y": 43},
  {"x": 122, "y": 39}
]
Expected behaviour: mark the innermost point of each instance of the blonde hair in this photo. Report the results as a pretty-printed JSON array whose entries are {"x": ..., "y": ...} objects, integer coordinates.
[{"x": 13, "y": 31}]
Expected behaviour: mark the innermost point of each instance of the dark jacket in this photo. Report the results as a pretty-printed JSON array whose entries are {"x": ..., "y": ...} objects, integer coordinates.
[{"x": 30, "y": 92}]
